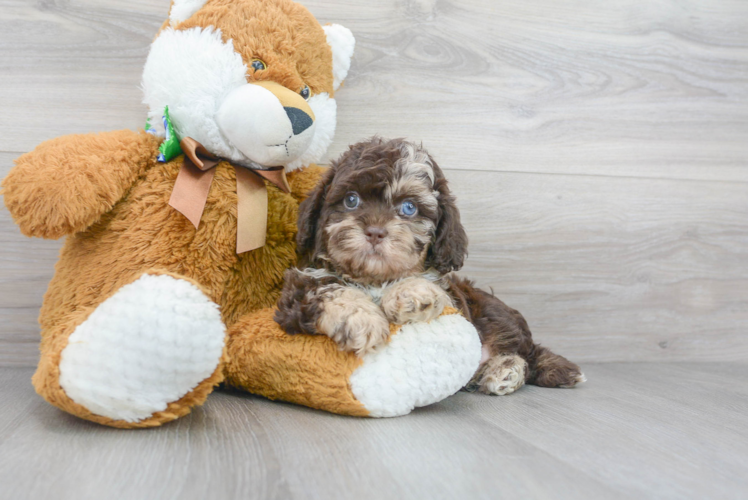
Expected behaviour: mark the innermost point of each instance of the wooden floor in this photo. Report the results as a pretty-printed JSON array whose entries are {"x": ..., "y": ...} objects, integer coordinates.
[
  {"x": 599, "y": 153},
  {"x": 641, "y": 430}
]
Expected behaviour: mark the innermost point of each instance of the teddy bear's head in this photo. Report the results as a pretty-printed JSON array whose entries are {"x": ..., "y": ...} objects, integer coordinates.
[{"x": 251, "y": 80}]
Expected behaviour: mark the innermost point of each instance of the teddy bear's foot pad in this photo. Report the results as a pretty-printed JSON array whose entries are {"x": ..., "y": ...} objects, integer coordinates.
[
  {"x": 148, "y": 345},
  {"x": 421, "y": 365}
]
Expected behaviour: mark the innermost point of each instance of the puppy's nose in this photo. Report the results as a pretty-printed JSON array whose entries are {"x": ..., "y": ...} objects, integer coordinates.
[
  {"x": 375, "y": 234},
  {"x": 300, "y": 121}
]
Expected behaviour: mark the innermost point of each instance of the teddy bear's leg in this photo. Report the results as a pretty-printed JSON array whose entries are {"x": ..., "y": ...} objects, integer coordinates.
[
  {"x": 142, "y": 357},
  {"x": 422, "y": 364}
]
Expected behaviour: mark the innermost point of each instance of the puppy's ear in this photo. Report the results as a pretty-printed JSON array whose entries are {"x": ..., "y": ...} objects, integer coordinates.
[
  {"x": 310, "y": 211},
  {"x": 449, "y": 248}
]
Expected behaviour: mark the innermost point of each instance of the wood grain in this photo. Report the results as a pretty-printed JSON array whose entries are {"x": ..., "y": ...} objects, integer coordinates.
[
  {"x": 655, "y": 89},
  {"x": 604, "y": 269},
  {"x": 599, "y": 155},
  {"x": 26, "y": 266},
  {"x": 633, "y": 431},
  {"x": 614, "y": 269}
]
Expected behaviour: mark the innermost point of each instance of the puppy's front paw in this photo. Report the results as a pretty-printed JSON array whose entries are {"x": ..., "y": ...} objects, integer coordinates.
[
  {"x": 414, "y": 299},
  {"x": 353, "y": 321}
]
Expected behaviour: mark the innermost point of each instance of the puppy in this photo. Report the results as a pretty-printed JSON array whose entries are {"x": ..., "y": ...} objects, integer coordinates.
[{"x": 377, "y": 241}]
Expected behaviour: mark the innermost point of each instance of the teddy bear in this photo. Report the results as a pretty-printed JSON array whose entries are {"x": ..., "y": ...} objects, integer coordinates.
[{"x": 177, "y": 238}]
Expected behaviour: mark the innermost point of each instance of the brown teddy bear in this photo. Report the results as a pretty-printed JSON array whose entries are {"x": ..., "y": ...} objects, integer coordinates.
[{"x": 177, "y": 239}]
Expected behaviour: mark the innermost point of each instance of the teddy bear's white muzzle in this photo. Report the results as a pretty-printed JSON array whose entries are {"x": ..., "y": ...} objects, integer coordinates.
[{"x": 255, "y": 122}]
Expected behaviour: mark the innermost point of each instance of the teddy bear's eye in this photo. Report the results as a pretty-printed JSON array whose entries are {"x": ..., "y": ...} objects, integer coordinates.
[
  {"x": 258, "y": 65},
  {"x": 351, "y": 200},
  {"x": 305, "y": 92}
]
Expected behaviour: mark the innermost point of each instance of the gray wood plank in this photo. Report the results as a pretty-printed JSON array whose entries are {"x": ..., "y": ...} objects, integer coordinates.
[
  {"x": 604, "y": 268},
  {"x": 637, "y": 89},
  {"x": 653, "y": 89},
  {"x": 72, "y": 67},
  {"x": 18, "y": 400},
  {"x": 614, "y": 269},
  {"x": 19, "y": 336},
  {"x": 26, "y": 266},
  {"x": 238, "y": 446},
  {"x": 649, "y": 430},
  {"x": 637, "y": 430}
]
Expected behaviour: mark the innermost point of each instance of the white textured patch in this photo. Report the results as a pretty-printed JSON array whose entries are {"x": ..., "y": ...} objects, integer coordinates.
[
  {"x": 255, "y": 122},
  {"x": 342, "y": 42},
  {"x": 423, "y": 364},
  {"x": 184, "y": 9},
  {"x": 148, "y": 345}
]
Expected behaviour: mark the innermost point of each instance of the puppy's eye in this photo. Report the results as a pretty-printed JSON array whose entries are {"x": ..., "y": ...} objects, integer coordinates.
[
  {"x": 351, "y": 200},
  {"x": 305, "y": 92},
  {"x": 258, "y": 65},
  {"x": 408, "y": 208}
]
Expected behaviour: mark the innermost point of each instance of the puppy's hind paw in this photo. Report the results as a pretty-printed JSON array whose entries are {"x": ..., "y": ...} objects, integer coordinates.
[
  {"x": 575, "y": 379},
  {"x": 501, "y": 375}
]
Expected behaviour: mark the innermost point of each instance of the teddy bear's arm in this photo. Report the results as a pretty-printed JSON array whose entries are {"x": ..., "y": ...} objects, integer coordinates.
[{"x": 66, "y": 184}]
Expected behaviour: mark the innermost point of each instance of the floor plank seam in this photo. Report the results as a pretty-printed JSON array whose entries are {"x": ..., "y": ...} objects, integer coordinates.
[{"x": 608, "y": 176}]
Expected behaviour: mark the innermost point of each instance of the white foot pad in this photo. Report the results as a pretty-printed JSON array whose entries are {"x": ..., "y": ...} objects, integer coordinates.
[
  {"x": 423, "y": 364},
  {"x": 148, "y": 345}
]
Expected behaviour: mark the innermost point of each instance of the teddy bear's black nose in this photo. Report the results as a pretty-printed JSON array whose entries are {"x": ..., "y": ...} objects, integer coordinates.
[{"x": 300, "y": 121}]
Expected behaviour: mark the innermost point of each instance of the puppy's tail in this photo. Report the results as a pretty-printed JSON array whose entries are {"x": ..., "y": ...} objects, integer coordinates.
[{"x": 551, "y": 370}]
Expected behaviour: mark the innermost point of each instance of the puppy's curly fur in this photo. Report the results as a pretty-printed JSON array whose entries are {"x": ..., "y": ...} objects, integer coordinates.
[{"x": 378, "y": 238}]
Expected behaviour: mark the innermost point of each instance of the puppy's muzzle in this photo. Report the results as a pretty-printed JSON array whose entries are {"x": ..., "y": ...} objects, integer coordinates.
[{"x": 375, "y": 234}]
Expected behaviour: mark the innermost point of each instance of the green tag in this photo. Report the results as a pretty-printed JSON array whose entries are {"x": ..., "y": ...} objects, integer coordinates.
[{"x": 170, "y": 147}]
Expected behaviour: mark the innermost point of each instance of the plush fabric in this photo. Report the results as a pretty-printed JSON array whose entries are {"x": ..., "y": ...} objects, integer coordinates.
[
  {"x": 342, "y": 40},
  {"x": 96, "y": 171},
  {"x": 146, "y": 314},
  {"x": 110, "y": 362},
  {"x": 302, "y": 369},
  {"x": 409, "y": 372},
  {"x": 390, "y": 382}
]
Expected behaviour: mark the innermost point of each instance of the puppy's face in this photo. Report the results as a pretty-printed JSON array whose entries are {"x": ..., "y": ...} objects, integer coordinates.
[{"x": 382, "y": 212}]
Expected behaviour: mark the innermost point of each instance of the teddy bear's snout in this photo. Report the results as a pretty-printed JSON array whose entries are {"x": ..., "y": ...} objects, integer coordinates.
[{"x": 267, "y": 122}]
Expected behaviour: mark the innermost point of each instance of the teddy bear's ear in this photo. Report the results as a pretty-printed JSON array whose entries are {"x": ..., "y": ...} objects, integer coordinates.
[
  {"x": 342, "y": 42},
  {"x": 181, "y": 10}
]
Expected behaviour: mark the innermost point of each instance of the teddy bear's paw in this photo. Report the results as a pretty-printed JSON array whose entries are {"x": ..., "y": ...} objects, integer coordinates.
[
  {"x": 414, "y": 299},
  {"x": 422, "y": 364},
  {"x": 148, "y": 345}
]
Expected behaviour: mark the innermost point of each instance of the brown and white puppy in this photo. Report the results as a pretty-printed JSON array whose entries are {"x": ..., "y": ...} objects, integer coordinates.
[{"x": 377, "y": 240}]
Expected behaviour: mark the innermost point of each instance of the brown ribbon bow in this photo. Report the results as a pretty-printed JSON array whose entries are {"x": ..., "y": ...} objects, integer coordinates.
[{"x": 191, "y": 190}]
